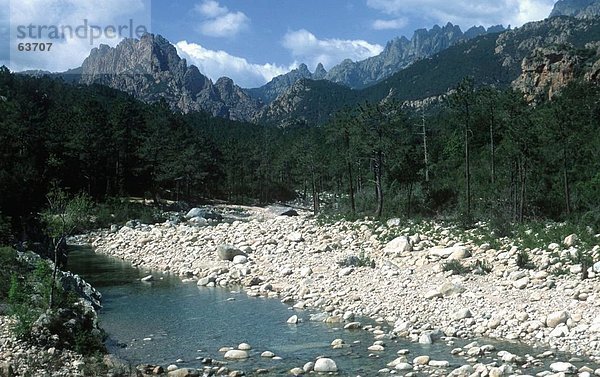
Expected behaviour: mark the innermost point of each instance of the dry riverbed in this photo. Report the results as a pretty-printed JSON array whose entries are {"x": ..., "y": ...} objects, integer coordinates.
[{"x": 296, "y": 259}]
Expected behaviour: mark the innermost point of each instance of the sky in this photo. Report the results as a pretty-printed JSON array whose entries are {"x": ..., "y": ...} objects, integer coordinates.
[{"x": 250, "y": 41}]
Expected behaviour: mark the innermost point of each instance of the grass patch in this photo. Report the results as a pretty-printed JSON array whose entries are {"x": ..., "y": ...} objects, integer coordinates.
[
  {"x": 456, "y": 266},
  {"x": 362, "y": 260}
]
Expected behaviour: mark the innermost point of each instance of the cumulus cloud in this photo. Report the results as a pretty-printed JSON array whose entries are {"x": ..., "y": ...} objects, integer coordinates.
[
  {"x": 219, "y": 21},
  {"x": 69, "y": 52},
  {"x": 215, "y": 64},
  {"x": 306, "y": 47},
  {"x": 467, "y": 12},
  {"x": 397, "y": 23}
]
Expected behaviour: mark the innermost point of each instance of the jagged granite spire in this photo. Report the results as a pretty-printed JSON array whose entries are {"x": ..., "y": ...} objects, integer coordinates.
[
  {"x": 576, "y": 8},
  {"x": 150, "y": 69}
]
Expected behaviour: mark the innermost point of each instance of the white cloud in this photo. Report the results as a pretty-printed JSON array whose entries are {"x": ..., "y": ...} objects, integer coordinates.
[
  {"x": 468, "y": 12},
  {"x": 211, "y": 8},
  {"x": 397, "y": 23},
  {"x": 72, "y": 50},
  {"x": 215, "y": 64},
  {"x": 219, "y": 21},
  {"x": 306, "y": 47}
]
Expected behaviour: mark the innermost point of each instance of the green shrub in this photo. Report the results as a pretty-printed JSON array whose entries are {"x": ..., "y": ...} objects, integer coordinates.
[
  {"x": 21, "y": 306},
  {"x": 482, "y": 267},
  {"x": 119, "y": 211},
  {"x": 456, "y": 267},
  {"x": 361, "y": 260},
  {"x": 5, "y": 230},
  {"x": 524, "y": 260}
]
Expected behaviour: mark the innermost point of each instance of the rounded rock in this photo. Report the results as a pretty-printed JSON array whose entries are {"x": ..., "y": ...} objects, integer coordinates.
[{"x": 325, "y": 365}]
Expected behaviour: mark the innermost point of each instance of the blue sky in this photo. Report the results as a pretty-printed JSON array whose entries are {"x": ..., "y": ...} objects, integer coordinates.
[{"x": 251, "y": 40}]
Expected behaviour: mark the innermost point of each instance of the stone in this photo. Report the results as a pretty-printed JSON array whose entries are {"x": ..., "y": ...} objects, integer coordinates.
[
  {"x": 391, "y": 223},
  {"x": 462, "y": 314},
  {"x": 296, "y": 371},
  {"x": 433, "y": 293},
  {"x": 570, "y": 240},
  {"x": 425, "y": 338},
  {"x": 240, "y": 259},
  {"x": 596, "y": 267},
  {"x": 396, "y": 361},
  {"x": 295, "y": 237},
  {"x": 403, "y": 366},
  {"x": 398, "y": 245},
  {"x": 338, "y": 343},
  {"x": 446, "y": 252},
  {"x": 345, "y": 271},
  {"x": 325, "y": 365},
  {"x": 559, "y": 331},
  {"x": 293, "y": 320},
  {"x": 421, "y": 360},
  {"x": 439, "y": 363},
  {"x": 244, "y": 347},
  {"x": 267, "y": 354},
  {"x": 203, "y": 282},
  {"x": 228, "y": 252},
  {"x": 376, "y": 348},
  {"x": 556, "y": 318},
  {"x": 308, "y": 367},
  {"x": 562, "y": 367},
  {"x": 236, "y": 354},
  {"x": 459, "y": 254},
  {"x": 521, "y": 283},
  {"x": 147, "y": 278},
  {"x": 306, "y": 272},
  {"x": 451, "y": 289},
  {"x": 277, "y": 210},
  {"x": 172, "y": 367},
  {"x": 352, "y": 326},
  {"x": 184, "y": 372}
]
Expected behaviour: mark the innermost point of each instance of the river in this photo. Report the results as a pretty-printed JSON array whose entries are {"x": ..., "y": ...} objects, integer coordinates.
[{"x": 168, "y": 321}]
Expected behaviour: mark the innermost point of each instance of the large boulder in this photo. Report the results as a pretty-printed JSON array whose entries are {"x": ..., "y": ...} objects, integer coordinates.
[
  {"x": 228, "y": 252},
  {"x": 445, "y": 252},
  {"x": 236, "y": 354},
  {"x": 398, "y": 245},
  {"x": 203, "y": 213},
  {"x": 277, "y": 210},
  {"x": 450, "y": 289},
  {"x": 325, "y": 365},
  {"x": 556, "y": 318}
]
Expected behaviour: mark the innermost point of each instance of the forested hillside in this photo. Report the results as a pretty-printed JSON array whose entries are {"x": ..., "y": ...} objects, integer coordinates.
[{"x": 489, "y": 154}]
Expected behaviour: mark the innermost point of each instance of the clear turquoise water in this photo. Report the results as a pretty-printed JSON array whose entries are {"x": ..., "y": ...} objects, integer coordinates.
[{"x": 189, "y": 323}]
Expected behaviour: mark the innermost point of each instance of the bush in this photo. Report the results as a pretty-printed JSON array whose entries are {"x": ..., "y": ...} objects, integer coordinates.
[
  {"x": 524, "y": 260},
  {"x": 456, "y": 267},
  {"x": 357, "y": 261},
  {"x": 482, "y": 267},
  {"x": 119, "y": 211},
  {"x": 5, "y": 230}
]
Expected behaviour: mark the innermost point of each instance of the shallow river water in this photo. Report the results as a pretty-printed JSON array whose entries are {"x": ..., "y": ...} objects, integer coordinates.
[{"x": 167, "y": 320}]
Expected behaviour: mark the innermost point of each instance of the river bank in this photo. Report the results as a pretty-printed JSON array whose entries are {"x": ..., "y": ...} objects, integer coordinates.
[{"x": 297, "y": 260}]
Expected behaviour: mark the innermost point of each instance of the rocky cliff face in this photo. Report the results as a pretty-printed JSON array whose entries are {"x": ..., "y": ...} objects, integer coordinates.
[
  {"x": 545, "y": 72},
  {"x": 551, "y": 54},
  {"x": 280, "y": 84},
  {"x": 401, "y": 52},
  {"x": 150, "y": 69},
  {"x": 398, "y": 54},
  {"x": 576, "y": 8}
]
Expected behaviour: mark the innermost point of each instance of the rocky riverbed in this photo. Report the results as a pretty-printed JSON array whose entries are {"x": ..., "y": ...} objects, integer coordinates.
[{"x": 393, "y": 273}]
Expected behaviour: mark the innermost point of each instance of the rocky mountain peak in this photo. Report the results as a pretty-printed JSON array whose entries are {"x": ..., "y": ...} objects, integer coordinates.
[
  {"x": 320, "y": 72},
  {"x": 576, "y": 8},
  {"x": 150, "y": 69}
]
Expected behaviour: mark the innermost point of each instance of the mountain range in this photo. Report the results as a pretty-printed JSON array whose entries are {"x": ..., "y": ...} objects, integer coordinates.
[{"x": 537, "y": 58}]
